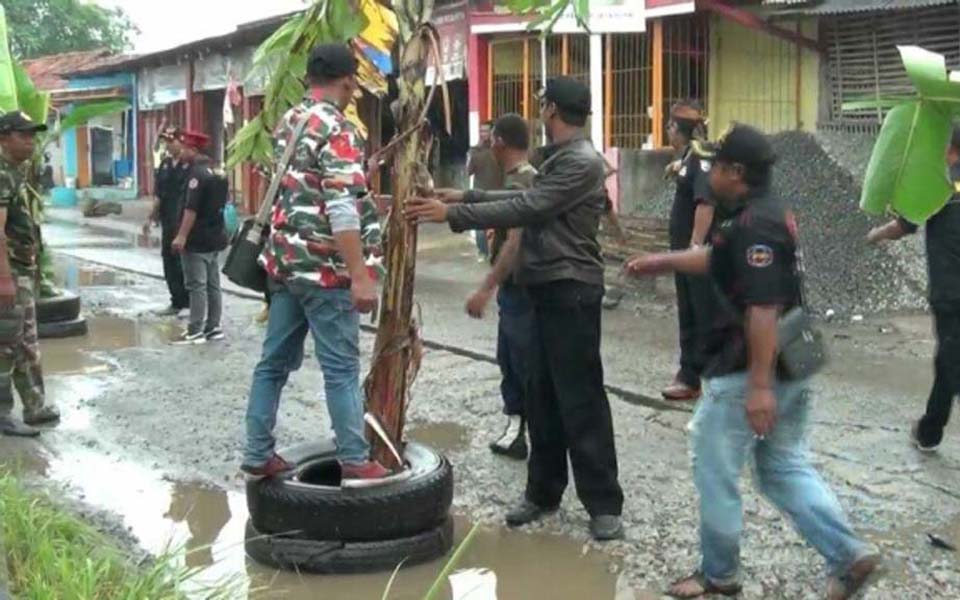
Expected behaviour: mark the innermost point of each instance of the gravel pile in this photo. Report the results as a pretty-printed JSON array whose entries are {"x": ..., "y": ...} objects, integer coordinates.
[{"x": 843, "y": 273}]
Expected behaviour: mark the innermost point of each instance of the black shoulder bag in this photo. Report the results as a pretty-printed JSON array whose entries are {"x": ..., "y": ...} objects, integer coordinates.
[{"x": 242, "y": 266}]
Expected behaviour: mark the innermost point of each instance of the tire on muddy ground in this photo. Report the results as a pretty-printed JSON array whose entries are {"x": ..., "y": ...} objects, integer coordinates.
[
  {"x": 310, "y": 503},
  {"x": 62, "y": 329},
  {"x": 329, "y": 557},
  {"x": 63, "y": 307}
]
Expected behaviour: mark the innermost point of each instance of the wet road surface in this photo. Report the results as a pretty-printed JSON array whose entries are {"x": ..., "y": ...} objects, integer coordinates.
[{"x": 152, "y": 434}]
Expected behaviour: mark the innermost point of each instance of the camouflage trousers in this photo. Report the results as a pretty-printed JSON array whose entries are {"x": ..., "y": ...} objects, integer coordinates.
[{"x": 20, "y": 349}]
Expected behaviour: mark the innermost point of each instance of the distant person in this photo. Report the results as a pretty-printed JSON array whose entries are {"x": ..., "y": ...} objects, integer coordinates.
[
  {"x": 20, "y": 364},
  {"x": 487, "y": 175},
  {"x": 324, "y": 230},
  {"x": 568, "y": 412},
  {"x": 511, "y": 141},
  {"x": 752, "y": 411},
  {"x": 169, "y": 189},
  {"x": 943, "y": 266},
  {"x": 200, "y": 239},
  {"x": 691, "y": 220}
]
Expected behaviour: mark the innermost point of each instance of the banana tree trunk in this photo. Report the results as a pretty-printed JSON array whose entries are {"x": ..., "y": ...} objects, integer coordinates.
[{"x": 397, "y": 350}]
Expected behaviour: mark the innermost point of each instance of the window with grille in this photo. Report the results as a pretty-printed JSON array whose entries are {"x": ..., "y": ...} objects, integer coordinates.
[{"x": 864, "y": 64}]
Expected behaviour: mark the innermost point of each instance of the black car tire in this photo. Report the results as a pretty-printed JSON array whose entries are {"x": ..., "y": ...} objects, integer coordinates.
[
  {"x": 415, "y": 501},
  {"x": 62, "y": 329},
  {"x": 64, "y": 307},
  {"x": 330, "y": 557}
]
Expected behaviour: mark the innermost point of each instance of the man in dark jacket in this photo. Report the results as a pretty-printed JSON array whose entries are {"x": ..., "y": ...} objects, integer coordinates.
[
  {"x": 561, "y": 267},
  {"x": 170, "y": 183}
]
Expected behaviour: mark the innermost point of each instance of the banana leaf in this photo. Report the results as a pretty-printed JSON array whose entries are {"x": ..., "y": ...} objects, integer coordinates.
[
  {"x": 8, "y": 84},
  {"x": 34, "y": 103},
  {"x": 906, "y": 174},
  {"x": 84, "y": 112}
]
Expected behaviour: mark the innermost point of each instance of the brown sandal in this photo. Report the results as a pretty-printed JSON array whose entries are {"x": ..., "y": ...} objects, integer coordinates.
[
  {"x": 851, "y": 582},
  {"x": 705, "y": 587}
]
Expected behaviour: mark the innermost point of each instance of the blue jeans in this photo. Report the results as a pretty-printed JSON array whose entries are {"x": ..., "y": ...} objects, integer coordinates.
[
  {"x": 329, "y": 315},
  {"x": 722, "y": 440},
  {"x": 514, "y": 341}
]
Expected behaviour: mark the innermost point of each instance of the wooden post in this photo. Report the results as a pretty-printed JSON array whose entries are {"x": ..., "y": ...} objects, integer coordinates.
[
  {"x": 485, "y": 114},
  {"x": 658, "y": 84},
  {"x": 799, "y": 82},
  {"x": 565, "y": 54},
  {"x": 525, "y": 100}
]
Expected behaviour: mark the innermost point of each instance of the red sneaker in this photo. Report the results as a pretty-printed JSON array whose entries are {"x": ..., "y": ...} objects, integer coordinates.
[
  {"x": 274, "y": 466},
  {"x": 364, "y": 471}
]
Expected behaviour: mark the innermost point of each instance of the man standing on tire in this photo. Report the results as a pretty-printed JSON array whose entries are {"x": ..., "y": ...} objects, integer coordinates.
[
  {"x": 316, "y": 262},
  {"x": 511, "y": 141},
  {"x": 202, "y": 236},
  {"x": 170, "y": 182},
  {"x": 561, "y": 266},
  {"x": 752, "y": 410},
  {"x": 943, "y": 270},
  {"x": 19, "y": 345},
  {"x": 691, "y": 219}
]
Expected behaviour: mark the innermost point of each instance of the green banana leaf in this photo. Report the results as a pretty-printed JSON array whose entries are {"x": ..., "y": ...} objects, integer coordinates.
[
  {"x": 84, "y": 112},
  {"x": 8, "y": 84},
  {"x": 907, "y": 171},
  {"x": 34, "y": 103}
]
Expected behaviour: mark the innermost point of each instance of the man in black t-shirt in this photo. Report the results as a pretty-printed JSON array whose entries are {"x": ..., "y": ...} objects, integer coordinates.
[
  {"x": 943, "y": 267},
  {"x": 749, "y": 410},
  {"x": 691, "y": 219},
  {"x": 202, "y": 236}
]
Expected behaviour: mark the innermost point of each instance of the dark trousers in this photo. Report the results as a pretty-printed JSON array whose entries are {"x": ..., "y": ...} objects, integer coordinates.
[
  {"x": 514, "y": 336},
  {"x": 173, "y": 273},
  {"x": 694, "y": 303},
  {"x": 946, "y": 383},
  {"x": 567, "y": 407}
]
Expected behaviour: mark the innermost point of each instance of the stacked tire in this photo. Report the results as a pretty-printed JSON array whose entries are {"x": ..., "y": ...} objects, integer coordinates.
[
  {"x": 305, "y": 521},
  {"x": 59, "y": 316}
]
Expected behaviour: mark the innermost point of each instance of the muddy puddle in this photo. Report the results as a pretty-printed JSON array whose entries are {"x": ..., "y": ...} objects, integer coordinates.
[
  {"x": 445, "y": 436},
  {"x": 206, "y": 527},
  {"x": 87, "y": 354}
]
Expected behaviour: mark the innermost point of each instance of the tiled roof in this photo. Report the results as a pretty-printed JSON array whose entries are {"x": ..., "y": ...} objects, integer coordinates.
[{"x": 49, "y": 72}]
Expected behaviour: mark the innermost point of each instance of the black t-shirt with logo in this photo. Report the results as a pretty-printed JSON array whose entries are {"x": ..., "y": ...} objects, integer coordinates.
[
  {"x": 755, "y": 261},
  {"x": 207, "y": 196},
  {"x": 170, "y": 183},
  {"x": 693, "y": 188},
  {"x": 943, "y": 249}
]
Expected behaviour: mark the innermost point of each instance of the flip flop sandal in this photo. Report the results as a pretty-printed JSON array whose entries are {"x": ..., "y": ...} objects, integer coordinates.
[{"x": 706, "y": 587}]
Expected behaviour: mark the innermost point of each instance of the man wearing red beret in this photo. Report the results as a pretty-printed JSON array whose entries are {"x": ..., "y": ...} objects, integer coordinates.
[{"x": 202, "y": 236}]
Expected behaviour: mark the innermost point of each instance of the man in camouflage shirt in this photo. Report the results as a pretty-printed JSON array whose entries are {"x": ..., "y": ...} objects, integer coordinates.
[
  {"x": 511, "y": 141},
  {"x": 320, "y": 260},
  {"x": 19, "y": 348}
]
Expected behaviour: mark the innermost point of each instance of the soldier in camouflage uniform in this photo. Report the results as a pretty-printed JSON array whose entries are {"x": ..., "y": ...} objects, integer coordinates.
[
  {"x": 19, "y": 348},
  {"x": 320, "y": 258}
]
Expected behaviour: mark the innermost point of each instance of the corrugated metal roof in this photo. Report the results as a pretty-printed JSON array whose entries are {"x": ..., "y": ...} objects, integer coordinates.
[
  {"x": 49, "y": 72},
  {"x": 835, "y": 7}
]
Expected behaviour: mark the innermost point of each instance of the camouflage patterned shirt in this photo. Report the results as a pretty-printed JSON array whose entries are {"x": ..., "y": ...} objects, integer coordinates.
[
  {"x": 21, "y": 229},
  {"x": 324, "y": 191}
]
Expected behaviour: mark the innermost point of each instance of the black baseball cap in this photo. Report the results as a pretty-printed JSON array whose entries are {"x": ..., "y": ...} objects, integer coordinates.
[
  {"x": 331, "y": 61},
  {"x": 745, "y": 145},
  {"x": 569, "y": 94},
  {"x": 16, "y": 120}
]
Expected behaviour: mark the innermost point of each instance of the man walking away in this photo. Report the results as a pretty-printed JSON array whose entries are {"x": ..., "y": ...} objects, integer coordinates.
[
  {"x": 202, "y": 236},
  {"x": 751, "y": 409},
  {"x": 316, "y": 260},
  {"x": 511, "y": 141},
  {"x": 943, "y": 266},
  {"x": 19, "y": 345},
  {"x": 170, "y": 182},
  {"x": 691, "y": 219},
  {"x": 560, "y": 264},
  {"x": 487, "y": 175}
]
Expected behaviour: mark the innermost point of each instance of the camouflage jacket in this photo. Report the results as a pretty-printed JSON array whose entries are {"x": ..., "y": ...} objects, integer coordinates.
[
  {"x": 21, "y": 228},
  {"x": 324, "y": 191}
]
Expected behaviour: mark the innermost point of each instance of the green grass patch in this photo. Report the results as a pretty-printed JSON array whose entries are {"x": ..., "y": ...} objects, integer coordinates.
[{"x": 53, "y": 555}]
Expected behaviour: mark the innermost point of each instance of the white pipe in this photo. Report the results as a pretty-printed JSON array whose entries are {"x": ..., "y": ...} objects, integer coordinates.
[{"x": 596, "y": 90}]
